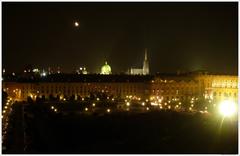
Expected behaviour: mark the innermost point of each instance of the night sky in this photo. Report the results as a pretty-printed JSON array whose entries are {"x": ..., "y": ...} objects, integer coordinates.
[{"x": 179, "y": 36}]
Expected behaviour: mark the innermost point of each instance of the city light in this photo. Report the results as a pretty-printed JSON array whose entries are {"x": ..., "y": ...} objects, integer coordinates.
[
  {"x": 108, "y": 110},
  {"x": 86, "y": 109},
  {"x": 43, "y": 74},
  {"x": 227, "y": 108},
  {"x": 128, "y": 104},
  {"x": 154, "y": 104}
]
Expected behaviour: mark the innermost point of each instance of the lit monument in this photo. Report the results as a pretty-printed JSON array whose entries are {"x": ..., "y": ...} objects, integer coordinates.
[{"x": 106, "y": 69}]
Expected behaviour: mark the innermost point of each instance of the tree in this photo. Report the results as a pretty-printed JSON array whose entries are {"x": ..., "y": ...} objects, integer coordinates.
[
  {"x": 72, "y": 98},
  {"x": 29, "y": 99},
  {"x": 43, "y": 98},
  {"x": 51, "y": 97},
  {"x": 4, "y": 98},
  {"x": 58, "y": 98}
]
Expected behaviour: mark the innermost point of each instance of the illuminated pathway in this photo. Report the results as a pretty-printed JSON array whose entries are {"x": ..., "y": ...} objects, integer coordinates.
[{"x": 5, "y": 118}]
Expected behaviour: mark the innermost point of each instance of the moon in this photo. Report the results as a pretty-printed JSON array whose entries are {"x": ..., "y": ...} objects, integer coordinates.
[{"x": 76, "y": 24}]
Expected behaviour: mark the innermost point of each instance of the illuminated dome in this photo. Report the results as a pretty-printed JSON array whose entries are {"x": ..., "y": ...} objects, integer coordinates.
[{"x": 106, "y": 69}]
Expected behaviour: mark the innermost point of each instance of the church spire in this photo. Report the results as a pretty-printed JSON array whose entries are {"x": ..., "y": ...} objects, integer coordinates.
[
  {"x": 145, "y": 64},
  {"x": 145, "y": 57}
]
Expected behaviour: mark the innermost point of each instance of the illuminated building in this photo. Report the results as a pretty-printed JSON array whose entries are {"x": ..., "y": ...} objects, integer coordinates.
[
  {"x": 82, "y": 85},
  {"x": 174, "y": 89},
  {"x": 218, "y": 87},
  {"x": 43, "y": 73},
  {"x": 141, "y": 71},
  {"x": 168, "y": 86},
  {"x": 106, "y": 69},
  {"x": 35, "y": 70},
  {"x": 82, "y": 70},
  {"x": 145, "y": 64},
  {"x": 135, "y": 71},
  {"x": 185, "y": 86},
  {"x": 50, "y": 70},
  {"x": 58, "y": 70}
]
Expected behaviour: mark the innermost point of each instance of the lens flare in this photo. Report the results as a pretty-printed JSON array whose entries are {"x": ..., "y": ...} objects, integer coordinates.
[{"x": 227, "y": 108}]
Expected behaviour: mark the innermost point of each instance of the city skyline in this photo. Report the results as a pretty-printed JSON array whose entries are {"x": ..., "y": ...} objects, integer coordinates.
[
  {"x": 179, "y": 36},
  {"x": 120, "y": 78}
]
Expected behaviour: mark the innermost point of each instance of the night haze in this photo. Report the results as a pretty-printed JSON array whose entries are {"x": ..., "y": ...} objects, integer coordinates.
[
  {"x": 179, "y": 36},
  {"x": 120, "y": 78}
]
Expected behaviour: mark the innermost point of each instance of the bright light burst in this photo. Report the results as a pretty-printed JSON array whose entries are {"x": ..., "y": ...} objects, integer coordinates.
[{"x": 227, "y": 108}]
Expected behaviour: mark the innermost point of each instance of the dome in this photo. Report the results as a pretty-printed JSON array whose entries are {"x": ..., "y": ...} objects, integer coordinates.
[{"x": 106, "y": 69}]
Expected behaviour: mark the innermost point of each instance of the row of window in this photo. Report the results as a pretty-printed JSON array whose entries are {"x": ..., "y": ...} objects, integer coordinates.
[
  {"x": 63, "y": 87},
  {"x": 229, "y": 94},
  {"x": 174, "y": 91},
  {"x": 83, "y": 92}
]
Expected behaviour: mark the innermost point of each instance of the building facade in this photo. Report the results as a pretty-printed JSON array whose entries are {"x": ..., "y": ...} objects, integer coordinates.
[{"x": 182, "y": 87}]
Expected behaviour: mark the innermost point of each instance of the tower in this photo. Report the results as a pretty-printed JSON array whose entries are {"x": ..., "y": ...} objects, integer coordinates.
[{"x": 145, "y": 64}]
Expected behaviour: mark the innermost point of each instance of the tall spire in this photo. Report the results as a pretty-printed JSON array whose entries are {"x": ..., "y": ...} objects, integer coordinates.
[
  {"x": 145, "y": 64},
  {"x": 145, "y": 57}
]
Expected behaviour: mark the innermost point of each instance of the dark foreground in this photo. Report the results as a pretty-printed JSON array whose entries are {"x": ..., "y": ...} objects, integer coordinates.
[{"x": 46, "y": 132}]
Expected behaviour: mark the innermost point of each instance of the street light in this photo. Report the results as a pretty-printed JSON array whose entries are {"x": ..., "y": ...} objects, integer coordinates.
[{"x": 227, "y": 108}]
